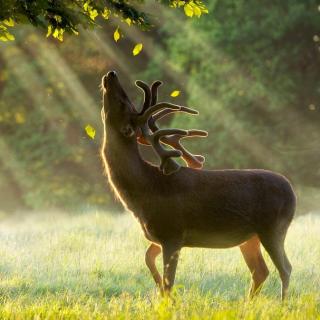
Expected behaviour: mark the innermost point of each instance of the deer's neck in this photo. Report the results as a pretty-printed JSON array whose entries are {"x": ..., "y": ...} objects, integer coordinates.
[{"x": 126, "y": 171}]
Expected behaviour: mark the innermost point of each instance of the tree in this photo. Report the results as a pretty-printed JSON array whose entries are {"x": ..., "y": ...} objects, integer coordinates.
[
  {"x": 58, "y": 17},
  {"x": 252, "y": 71},
  {"x": 47, "y": 158}
]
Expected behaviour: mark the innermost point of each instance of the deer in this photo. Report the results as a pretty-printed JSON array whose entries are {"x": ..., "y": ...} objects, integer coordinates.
[{"x": 187, "y": 206}]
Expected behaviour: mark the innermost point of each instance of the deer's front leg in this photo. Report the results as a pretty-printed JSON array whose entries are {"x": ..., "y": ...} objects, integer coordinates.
[
  {"x": 151, "y": 255},
  {"x": 170, "y": 253}
]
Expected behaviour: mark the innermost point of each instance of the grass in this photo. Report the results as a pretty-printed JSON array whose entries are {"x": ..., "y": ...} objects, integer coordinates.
[{"x": 91, "y": 266}]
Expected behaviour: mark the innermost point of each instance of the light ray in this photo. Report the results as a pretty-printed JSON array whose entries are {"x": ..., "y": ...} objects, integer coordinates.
[{"x": 241, "y": 136}]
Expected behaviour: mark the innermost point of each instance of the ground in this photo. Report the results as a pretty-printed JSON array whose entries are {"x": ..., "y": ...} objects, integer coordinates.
[{"x": 91, "y": 266}]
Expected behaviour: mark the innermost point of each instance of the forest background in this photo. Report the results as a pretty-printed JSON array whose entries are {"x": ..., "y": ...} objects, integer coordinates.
[{"x": 250, "y": 68}]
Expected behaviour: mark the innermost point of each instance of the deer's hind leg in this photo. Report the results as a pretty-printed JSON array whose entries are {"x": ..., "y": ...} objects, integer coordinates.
[
  {"x": 251, "y": 252},
  {"x": 274, "y": 245},
  {"x": 152, "y": 252}
]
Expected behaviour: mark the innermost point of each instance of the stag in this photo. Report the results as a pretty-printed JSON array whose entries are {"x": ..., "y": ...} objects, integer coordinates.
[{"x": 179, "y": 206}]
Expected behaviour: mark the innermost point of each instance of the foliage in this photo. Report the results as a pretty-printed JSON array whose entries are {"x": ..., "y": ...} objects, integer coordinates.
[
  {"x": 5, "y": 35},
  {"x": 91, "y": 266},
  {"x": 47, "y": 157},
  {"x": 250, "y": 69},
  {"x": 59, "y": 17},
  {"x": 252, "y": 72}
]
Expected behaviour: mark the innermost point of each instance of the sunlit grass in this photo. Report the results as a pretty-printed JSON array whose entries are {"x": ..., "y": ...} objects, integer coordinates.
[{"x": 92, "y": 266}]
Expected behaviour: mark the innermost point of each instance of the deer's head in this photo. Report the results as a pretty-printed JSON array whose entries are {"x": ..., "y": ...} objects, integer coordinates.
[
  {"x": 120, "y": 115},
  {"x": 117, "y": 111}
]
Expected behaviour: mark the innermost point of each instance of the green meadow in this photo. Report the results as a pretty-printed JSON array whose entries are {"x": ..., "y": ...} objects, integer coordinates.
[
  {"x": 252, "y": 70},
  {"x": 91, "y": 266}
]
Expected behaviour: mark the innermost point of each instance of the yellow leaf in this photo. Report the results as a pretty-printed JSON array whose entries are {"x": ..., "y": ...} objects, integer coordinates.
[
  {"x": 202, "y": 7},
  {"x": 49, "y": 30},
  {"x": 128, "y": 21},
  {"x": 188, "y": 10},
  {"x": 106, "y": 13},
  {"x": 137, "y": 49},
  {"x": 116, "y": 35},
  {"x": 175, "y": 93},
  {"x": 8, "y": 22},
  {"x": 197, "y": 11},
  {"x": 173, "y": 4},
  {"x": 10, "y": 36},
  {"x": 6, "y": 36},
  {"x": 58, "y": 33},
  {"x": 57, "y": 18},
  {"x": 91, "y": 132},
  {"x": 93, "y": 14}
]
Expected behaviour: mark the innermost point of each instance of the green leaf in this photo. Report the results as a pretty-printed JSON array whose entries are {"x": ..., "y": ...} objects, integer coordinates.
[
  {"x": 137, "y": 49},
  {"x": 91, "y": 132}
]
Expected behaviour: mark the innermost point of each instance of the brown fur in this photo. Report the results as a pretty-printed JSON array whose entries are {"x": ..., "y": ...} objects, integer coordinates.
[{"x": 195, "y": 208}]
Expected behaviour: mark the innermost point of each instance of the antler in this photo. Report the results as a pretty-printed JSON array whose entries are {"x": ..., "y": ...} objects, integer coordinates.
[
  {"x": 152, "y": 135},
  {"x": 193, "y": 161},
  {"x": 147, "y": 95}
]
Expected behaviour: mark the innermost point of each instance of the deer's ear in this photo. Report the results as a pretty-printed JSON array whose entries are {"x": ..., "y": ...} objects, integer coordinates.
[
  {"x": 127, "y": 131},
  {"x": 104, "y": 82}
]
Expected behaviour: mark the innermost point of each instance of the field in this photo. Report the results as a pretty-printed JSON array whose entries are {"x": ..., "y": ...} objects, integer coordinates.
[{"x": 91, "y": 266}]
